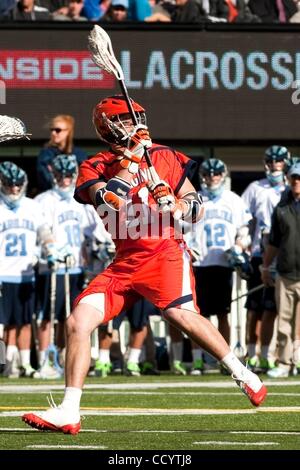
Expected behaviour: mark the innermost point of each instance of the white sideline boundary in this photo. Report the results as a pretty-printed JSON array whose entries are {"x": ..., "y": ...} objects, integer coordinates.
[
  {"x": 101, "y": 411},
  {"x": 19, "y": 388}
]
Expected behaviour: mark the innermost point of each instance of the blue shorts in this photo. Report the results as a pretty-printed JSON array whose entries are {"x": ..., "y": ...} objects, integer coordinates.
[
  {"x": 213, "y": 289},
  {"x": 17, "y": 303},
  {"x": 43, "y": 295}
]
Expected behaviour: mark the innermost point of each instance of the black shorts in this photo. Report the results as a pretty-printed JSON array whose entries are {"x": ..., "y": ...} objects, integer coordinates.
[
  {"x": 43, "y": 294},
  {"x": 255, "y": 301},
  {"x": 213, "y": 289},
  {"x": 17, "y": 303},
  {"x": 263, "y": 299}
]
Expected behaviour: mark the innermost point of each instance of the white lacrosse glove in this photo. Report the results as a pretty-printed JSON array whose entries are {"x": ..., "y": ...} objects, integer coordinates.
[{"x": 138, "y": 141}]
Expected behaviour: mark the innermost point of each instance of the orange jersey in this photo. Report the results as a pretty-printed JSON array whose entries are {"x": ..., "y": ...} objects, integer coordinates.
[{"x": 140, "y": 227}]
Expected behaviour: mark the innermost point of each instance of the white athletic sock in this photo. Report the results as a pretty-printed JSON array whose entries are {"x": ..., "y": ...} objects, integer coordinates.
[
  {"x": 104, "y": 355},
  {"x": 177, "y": 349},
  {"x": 25, "y": 357},
  {"x": 197, "y": 354},
  {"x": 233, "y": 364},
  {"x": 42, "y": 356},
  {"x": 11, "y": 350},
  {"x": 72, "y": 398},
  {"x": 134, "y": 355},
  {"x": 251, "y": 350}
]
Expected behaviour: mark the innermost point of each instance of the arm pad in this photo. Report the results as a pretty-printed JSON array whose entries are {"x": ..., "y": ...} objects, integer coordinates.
[{"x": 114, "y": 194}]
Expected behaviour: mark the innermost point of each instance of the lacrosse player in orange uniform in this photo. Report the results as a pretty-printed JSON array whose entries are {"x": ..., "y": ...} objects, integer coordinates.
[{"x": 151, "y": 260}]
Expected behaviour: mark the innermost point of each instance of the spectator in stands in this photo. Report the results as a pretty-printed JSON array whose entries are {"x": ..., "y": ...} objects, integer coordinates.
[
  {"x": 73, "y": 12},
  {"x": 296, "y": 17},
  {"x": 53, "y": 5},
  {"x": 118, "y": 11},
  {"x": 273, "y": 11},
  {"x": 94, "y": 10},
  {"x": 26, "y": 10},
  {"x": 138, "y": 10},
  {"x": 186, "y": 11},
  {"x": 284, "y": 243},
  {"x": 6, "y": 7},
  {"x": 61, "y": 141}
]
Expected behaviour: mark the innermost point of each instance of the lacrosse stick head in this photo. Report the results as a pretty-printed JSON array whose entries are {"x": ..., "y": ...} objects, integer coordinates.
[
  {"x": 13, "y": 184},
  {"x": 109, "y": 118},
  {"x": 12, "y": 128},
  {"x": 100, "y": 47}
]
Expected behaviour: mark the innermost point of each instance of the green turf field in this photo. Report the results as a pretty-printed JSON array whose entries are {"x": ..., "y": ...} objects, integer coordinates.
[{"x": 159, "y": 413}]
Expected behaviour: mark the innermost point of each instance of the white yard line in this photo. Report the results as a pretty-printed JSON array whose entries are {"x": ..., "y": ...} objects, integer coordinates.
[
  {"x": 280, "y": 433},
  {"x": 59, "y": 446},
  {"x": 230, "y": 443},
  {"x": 166, "y": 431}
]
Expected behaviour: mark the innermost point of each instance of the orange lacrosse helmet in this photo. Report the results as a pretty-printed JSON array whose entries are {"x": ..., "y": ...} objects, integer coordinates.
[{"x": 107, "y": 120}]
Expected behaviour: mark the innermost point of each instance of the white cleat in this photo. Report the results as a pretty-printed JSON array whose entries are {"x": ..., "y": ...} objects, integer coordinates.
[{"x": 56, "y": 419}]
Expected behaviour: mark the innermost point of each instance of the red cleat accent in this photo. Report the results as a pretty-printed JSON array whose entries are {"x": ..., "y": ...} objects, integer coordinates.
[
  {"x": 256, "y": 398},
  {"x": 39, "y": 423}
]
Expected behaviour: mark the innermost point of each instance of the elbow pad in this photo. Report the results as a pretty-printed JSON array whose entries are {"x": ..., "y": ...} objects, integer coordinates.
[
  {"x": 114, "y": 194},
  {"x": 193, "y": 203}
]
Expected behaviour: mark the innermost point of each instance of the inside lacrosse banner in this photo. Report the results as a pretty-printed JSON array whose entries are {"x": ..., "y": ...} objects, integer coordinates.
[{"x": 195, "y": 85}]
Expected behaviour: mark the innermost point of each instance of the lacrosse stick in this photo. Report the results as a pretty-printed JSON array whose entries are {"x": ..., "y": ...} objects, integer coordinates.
[
  {"x": 52, "y": 356},
  {"x": 238, "y": 349},
  {"x": 100, "y": 47},
  {"x": 251, "y": 291},
  {"x": 12, "y": 128}
]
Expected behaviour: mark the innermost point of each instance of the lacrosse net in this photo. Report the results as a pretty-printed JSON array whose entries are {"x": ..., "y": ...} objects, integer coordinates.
[
  {"x": 100, "y": 47},
  {"x": 12, "y": 128}
]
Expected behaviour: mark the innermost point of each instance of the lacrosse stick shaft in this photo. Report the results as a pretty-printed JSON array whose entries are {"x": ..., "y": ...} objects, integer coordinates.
[
  {"x": 152, "y": 171},
  {"x": 67, "y": 288},
  {"x": 251, "y": 291},
  {"x": 52, "y": 304}
]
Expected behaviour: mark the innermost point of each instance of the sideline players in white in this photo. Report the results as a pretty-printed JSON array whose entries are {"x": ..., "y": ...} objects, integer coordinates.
[
  {"x": 225, "y": 225},
  {"x": 68, "y": 221},
  {"x": 260, "y": 197},
  {"x": 21, "y": 227}
]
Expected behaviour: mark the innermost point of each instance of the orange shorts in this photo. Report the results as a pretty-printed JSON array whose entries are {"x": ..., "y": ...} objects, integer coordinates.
[{"x": 164, "y": 277}]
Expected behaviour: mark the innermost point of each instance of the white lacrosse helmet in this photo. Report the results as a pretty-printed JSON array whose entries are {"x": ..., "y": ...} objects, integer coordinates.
[
  {"x": 209, "y": 168},
  {"x": 10, "y": 176},
  {"x": 276, "y": 154},
  {"x": 64, "y": 166}
]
